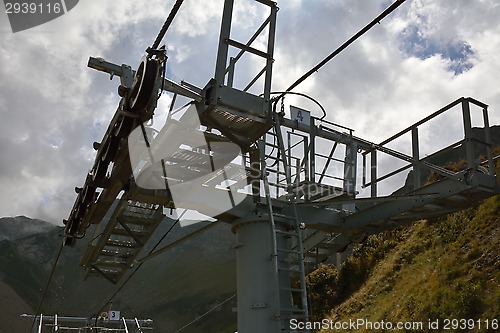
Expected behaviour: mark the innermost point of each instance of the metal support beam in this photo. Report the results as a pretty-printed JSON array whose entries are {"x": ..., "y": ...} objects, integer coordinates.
[
  {"x": 225, "y": 33},
  {"x": 350, "y": 165},
  {"x": 312, "y": 152},
  {"x": 373, "y": 174},
  {"x": 249, "y": 49},
  {"x": 469, "y": 144},
  {"x": 489, "y": 142},
  {"x": 417, "y": 172}
]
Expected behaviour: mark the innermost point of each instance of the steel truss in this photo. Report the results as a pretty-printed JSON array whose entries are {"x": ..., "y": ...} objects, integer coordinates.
[{"x": 297, "y": 184}]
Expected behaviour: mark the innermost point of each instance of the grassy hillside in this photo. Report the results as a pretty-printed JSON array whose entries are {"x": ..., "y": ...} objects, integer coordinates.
[{"x": 433, "y": 270}]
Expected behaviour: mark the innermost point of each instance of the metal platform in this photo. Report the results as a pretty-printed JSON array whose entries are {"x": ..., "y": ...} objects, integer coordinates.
[
  {"x": 326, "y": 201},
  {"x": 437, "y": 199},
  {"x": 415, "y": 199},
  {"x": 241, "y": 115}
]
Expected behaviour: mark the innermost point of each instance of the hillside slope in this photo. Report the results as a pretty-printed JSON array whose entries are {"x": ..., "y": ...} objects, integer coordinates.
[
  {"x": 435, "y": 270},
  {"x": 172, "y": 289},
  {"x": 11, "y": 307}
]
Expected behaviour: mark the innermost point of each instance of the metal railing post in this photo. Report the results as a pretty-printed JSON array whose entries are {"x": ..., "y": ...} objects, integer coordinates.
[
  {"x": 225, "y": 32},
  {"x": 469, "y": 144},
  {"x": 417, "y": 171},
  {"x": 312, "y": 151},
  {"x": 373, "y": 173},
  {"x": 489, "y": 142},
  {"x": 40, "y": 325}
]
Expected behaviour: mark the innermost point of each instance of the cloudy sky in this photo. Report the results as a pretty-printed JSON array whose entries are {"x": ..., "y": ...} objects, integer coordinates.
[{"x": 52, "y": 107}]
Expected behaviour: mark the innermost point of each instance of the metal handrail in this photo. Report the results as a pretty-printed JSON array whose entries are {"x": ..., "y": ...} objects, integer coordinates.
[{"x": 415, "y": 161}]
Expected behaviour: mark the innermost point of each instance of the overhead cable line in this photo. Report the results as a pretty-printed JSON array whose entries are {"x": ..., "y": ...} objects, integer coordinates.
[
  {"x": 206, "y": 313},
  {"x": 303, "y": 95},
  {"x": 47, "y": 286},
  {"x": 341, "y": 48},
  {"x": 166, "y": 25}
]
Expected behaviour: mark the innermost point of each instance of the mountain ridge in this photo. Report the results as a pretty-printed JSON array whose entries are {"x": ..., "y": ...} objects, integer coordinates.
[
  {"x": 13, "y": 228},
  {"x": 173, "y": 288}
]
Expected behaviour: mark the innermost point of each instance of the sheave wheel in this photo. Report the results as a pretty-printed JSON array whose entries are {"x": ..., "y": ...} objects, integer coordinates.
[{"x": 143, "y": 85}]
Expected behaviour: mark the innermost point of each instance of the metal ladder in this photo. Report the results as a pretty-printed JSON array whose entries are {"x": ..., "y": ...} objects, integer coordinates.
[
  {"x": 123, "y": 238},
  {"x": 284, "y": 257}
]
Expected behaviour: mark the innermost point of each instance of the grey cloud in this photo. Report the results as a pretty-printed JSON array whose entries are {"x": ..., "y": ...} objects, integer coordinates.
[{"x": 49, "y": 97}]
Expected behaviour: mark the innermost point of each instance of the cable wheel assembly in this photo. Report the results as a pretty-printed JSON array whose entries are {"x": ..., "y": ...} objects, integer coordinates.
[{"x": 144, "y": 81}]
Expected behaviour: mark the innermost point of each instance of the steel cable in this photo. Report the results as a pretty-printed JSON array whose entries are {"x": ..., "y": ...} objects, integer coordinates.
[
  {"x": 206, "y": 313},
  {"x": 341, "y": 48},
  {"x": 167, "y": 24},
  {"x": 47, "y": 286}
]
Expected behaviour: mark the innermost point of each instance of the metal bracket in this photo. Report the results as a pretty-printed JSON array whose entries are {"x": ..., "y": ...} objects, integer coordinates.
[{"x": 126, "y": 75}]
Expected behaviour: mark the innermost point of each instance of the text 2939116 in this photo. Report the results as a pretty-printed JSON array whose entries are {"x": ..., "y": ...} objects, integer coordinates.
[{"x": 33, "y": 8}]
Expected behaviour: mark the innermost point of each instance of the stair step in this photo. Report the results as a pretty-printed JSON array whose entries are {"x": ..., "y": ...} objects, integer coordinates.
[
  {"x": 117, "y": 254},
  {"x": 109, "y": 274},
  {"x": 316, "y": 259},
  {"x": 289, "y": 270},
  {"x": 293, "y": 310},
  {"x": 288, "y": 251},
  {"x": 329, "y": 246},
  {"x": 123, "y": 244},
  {"x": 320, "y": 253},
  {"x": 106, "y": 271},
  {"x": 123, "y": 232},
  {"x": 288, "y": 217},
  {"x": 111, "y": 265},
  {"x": 289, "y": 233},
  {"x": 144, "y": 221},
  {"x": 294, "y": 290}
]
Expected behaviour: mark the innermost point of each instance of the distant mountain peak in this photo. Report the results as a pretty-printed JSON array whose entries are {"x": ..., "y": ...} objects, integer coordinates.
[{"x": 17, "y": 227}]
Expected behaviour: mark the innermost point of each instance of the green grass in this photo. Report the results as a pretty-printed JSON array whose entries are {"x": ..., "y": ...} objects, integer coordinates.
[{"x": 444, "y": 268}]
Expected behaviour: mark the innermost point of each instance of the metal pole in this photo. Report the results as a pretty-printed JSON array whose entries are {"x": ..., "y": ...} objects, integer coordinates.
[
  {"x": 230, "y": 73},
  {"x": 255, "y": 276},
  {"x": 417, "y": 177},
  {"x": 373, "y": 173},
  {"x": 40, "y": 325},
  {"x": 350, "y": 174},
  {"x": 469, "y": 144},
  {"x": 312, "y": 151},
  {"x": 489, "y": 142},
  {"x": 139, "y": 330},
  {"x": 269, "y": 61},
  {"x": 225, "y": 32},
  {"x": 125, "y": 325}
]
